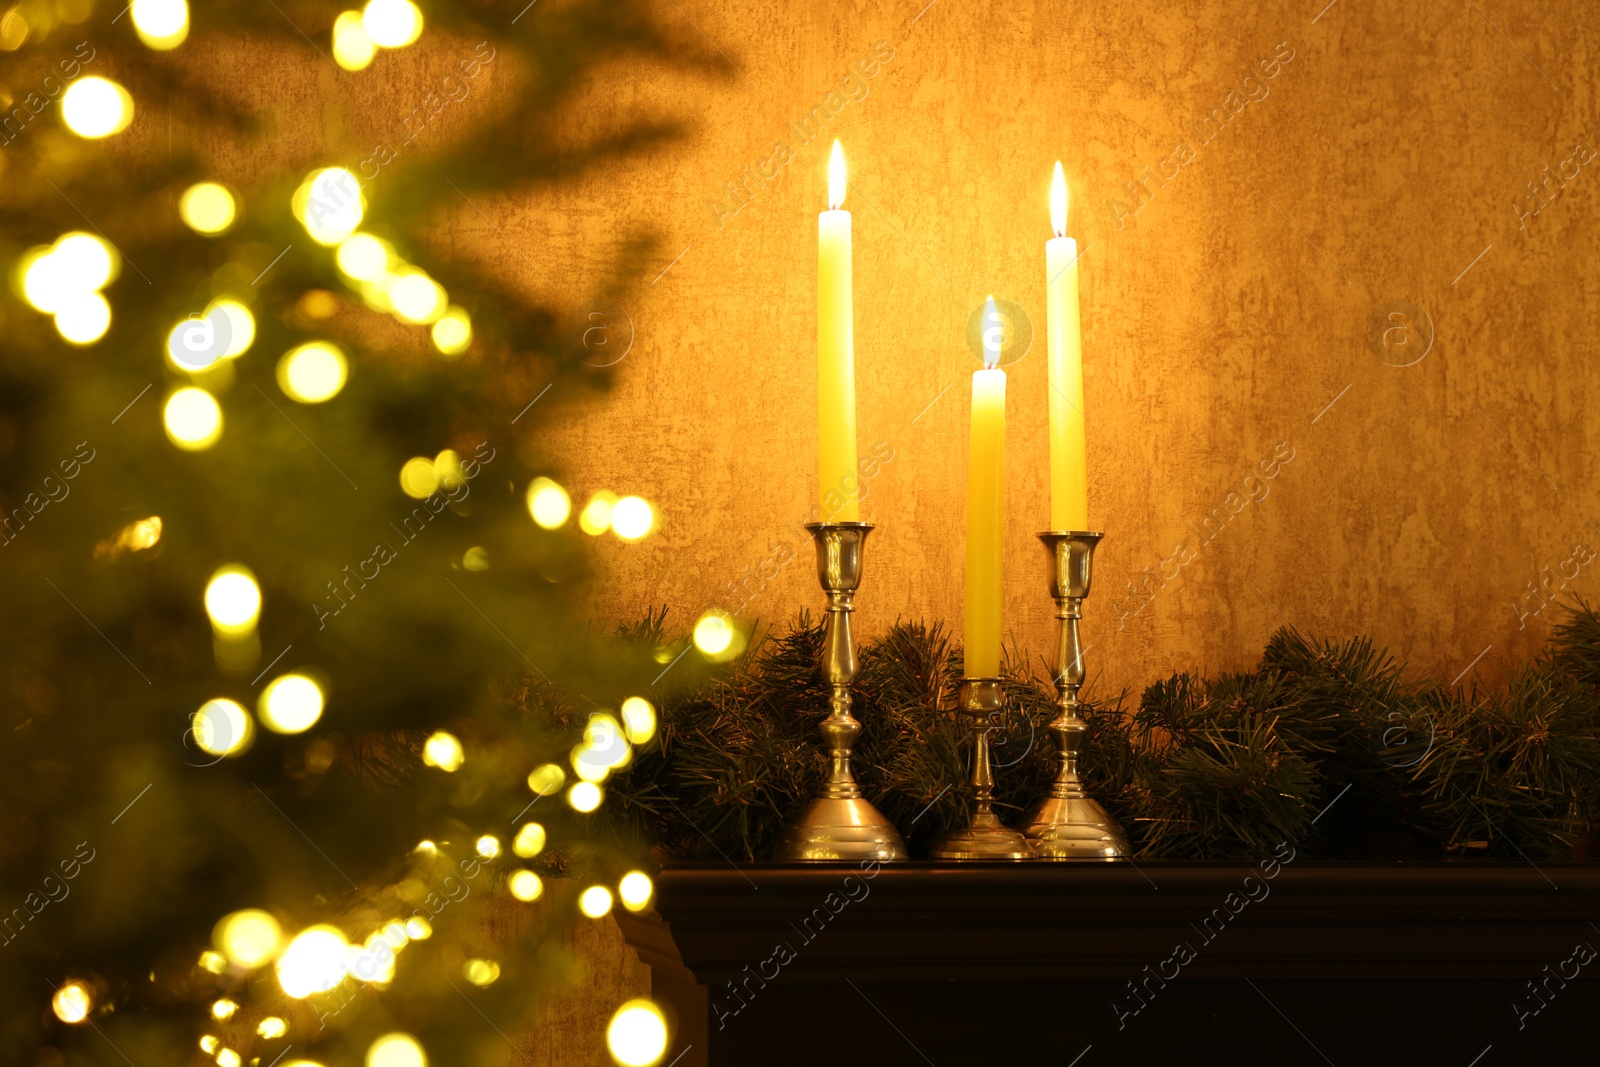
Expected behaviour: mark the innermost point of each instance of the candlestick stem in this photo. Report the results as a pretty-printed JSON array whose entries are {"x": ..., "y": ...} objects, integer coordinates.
[
  {"x": 840, "y": 824},
  {"x": 986, "y": 837},
  {"x": 1069, "y": 824}
]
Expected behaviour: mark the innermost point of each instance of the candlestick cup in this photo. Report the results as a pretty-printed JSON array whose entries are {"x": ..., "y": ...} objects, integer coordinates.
[
  {"x": 841, "y": 824},
  {"x": 985, "y": 837},
  {"x": 1069, "y": 824}
]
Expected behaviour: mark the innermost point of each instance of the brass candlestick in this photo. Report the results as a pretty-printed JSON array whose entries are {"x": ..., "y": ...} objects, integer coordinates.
[
  {"x": 840, "y": 824},
  {"x": 1069, "y": 824},
  {"x": 986, "y": 838}
]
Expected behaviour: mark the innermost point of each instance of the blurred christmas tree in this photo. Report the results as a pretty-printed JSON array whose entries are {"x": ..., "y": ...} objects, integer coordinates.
[{"x": 276, "y": 519}]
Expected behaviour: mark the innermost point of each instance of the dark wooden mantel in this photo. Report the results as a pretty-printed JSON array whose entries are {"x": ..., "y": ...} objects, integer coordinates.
[{"x": 1343, "y": 963}]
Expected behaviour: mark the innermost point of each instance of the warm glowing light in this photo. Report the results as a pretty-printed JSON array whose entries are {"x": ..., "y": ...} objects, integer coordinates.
[
  {"x": 994, "y": 336},
  {"x": 13, "y": 30},
  {"x": 392, "y": 23},
  {"x": 223, "y": 728},
  {"x": 215, "y": 962},
  {"x": 632, "y": 518},
  {"x": 587, "y": 765},
  {"x": 713, "y": 633},
  {"x": 161, "y": 24},
  {"x": 134, "y": 537},
  {"x": 248, "y": 938},
  {"x": 396, "y": 1050},
  {"x": 638, "y": 719},
  {"x": 836, "y": 177},
  {"x": 71, "y": 1003},
  {"x": 442, "y": 750},
  {"x": 635, "y": 889},
  {"x": 481, "y": 973},
  {"x": 452, "y": 334},
  {"x": 193, "y": 419},
  {"x": 208, "y": 1044},
  {"x": 88, "y": 262},
  {"x": 529, "y": 841},
  {"x": 96, "y": 107},
  {"x": 418, "y": 928},
  {"x": 272, "y": 1027},
  {"x": 595, "y": 901},
  {"x": 548, "y": 503},
  {"x": 488, "y": 846},
  {"x": 1058, "y": 201},
  {"x": 315, "y": 962},
  {"x": 223, "y": 1009},
  {"x": 418, "y": 478},
  {"x": 416, "y": 298},
  {"x": 361, "y": 256},
  {"x": 475, "y": 558},
  {"x": 329, "y": 205},
  {"x": 228, "y": 1058},
  {"x": 46, "y": 283},
  {"x": 375, "y": 961},
  {"x": 426, "y": 847},
  {"x": 352, "y": 47},
  {"x": 546, "y": 779},
  {"x": 584, "y": 796},
  {"x": 596, "y": 517},
  {"x": 290, "y": 704},
  {"x": 207, "y": 208},
  {"x": 83, "y": 318},
  {"x": 312, "y": 373},
  {"x": 525, "y": 885},
  {"x": 241, "y": 326},
  {"x": 447, "y": 465},
  {"x": 233, "y": 600},
  {"x": 637, "y": 1034}
]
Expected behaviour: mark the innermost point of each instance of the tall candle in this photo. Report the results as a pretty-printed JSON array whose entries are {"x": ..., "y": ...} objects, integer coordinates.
[
  {"x": 1069, "y": 464},
  {"x": 838, "y": 482},
  {"x": 985, "y": 496}
]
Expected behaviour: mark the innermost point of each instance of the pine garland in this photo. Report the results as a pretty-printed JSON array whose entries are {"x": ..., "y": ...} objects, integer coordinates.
[{"x": 1328, "y": 745}]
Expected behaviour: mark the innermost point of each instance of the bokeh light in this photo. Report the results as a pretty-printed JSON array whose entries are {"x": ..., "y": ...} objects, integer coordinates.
[
  {"x": 161, "y": 24},
  {"x": 228, "y": 1058},
  {"x": 595, "y": 901},
  {"x": 481, "y": 973},
  {"x": 635, "y": 890},
  {"x": 526, "y": 886},
  {"x": 637, "y": 1034},
  {"x": 416, "y": 298},
  {"x": 584, "y": 796},
  {"x": 418, "y": 928},
  {"x": 488, "y": 846},
  {"x": 207, "y": 207},
  {"x": 193, "y": 419},
  {"x": 596, "y": 517},
  {"x": 418, "y": 478},
  {"x": 224, "y": 1009},
  {"x": 632, "y": 518},
  {"x": 452, "y": 334},
  {"x": 223, "y": 728},
  {"x": 546, "y": 778},
  {"x": 396, "y": 1050},
  {"x": 290, "y": 704},
  {"x": 529, "y": 841},
  {"x": 233, "y": 599},
  {"x": 638, "y": 719},
  {"x": 329, "y": 205},
  {"x": 215, "y": 962},
  {"x": 392, "y": 23},
  {"x": 443, "y": 750},
  {"x": 714, "y": 633},
  {"x": 88, "y": 261},
  {"x": 96, "y": 107},
  {"x": 352, "y": 47},
  {"x": 315, "y": 961},
  {"x": 72, "y": 1002},
  {"x": 241, "y": 326},
  {"x": 272, "y": 1027},
  {"x": 83, "y": 318},
  {"x": 548, "y": 503},
  {"x": 312, "y": 373},
  {"x": 248, "y": 938},
  {"x": 363, "y": 257}
]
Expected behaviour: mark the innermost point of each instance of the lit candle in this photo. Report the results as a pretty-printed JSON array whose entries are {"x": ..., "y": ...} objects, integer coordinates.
[
  {"x": 836, "y": 374},
  {"x": 985, "y": 495},
  {"x": 1069, "y": 463}
]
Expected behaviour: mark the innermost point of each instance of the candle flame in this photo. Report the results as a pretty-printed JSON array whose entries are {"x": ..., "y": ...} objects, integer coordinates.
[
  {"x": 1058, "y": 202},
  {"x": 836, "y": 178},
  {"x": 994, "y": 335}
]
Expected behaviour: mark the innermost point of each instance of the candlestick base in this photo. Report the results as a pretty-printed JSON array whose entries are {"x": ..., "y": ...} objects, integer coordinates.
[
  {"x": 1069, "y": 824},
  {"x": 841, "y": 824},
  {"x": 986, "y": 837}
]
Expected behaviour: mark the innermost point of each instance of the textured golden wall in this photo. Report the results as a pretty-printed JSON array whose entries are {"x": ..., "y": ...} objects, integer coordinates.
[{"x": 1378, "y": 171}]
